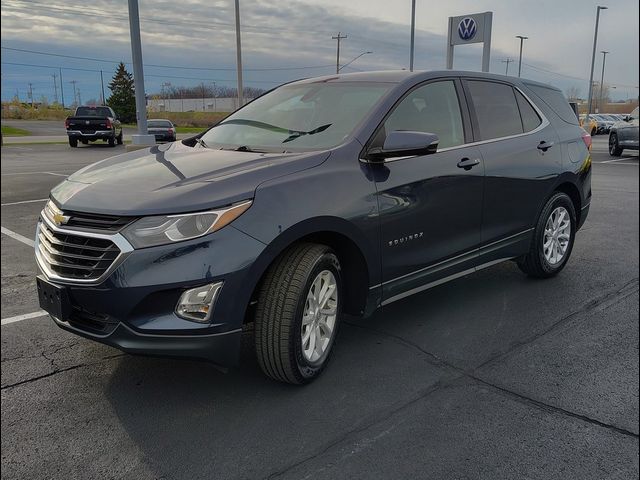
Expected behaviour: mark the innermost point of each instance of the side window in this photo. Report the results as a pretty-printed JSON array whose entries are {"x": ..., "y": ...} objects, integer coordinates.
[
  {"x": 530, "y": 118},
  {"x": 496, "y": 109},
  {"x": 432, "y": 108},
  {"x": 556, "y": 100}
]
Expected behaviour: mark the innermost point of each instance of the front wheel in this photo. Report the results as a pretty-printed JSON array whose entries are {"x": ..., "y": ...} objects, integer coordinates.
[
  {"x": 298, "y": 313},
  {"x": 614, "y": 146},
  {"x": 552, "y": 240},
  {"x": 119, "y": 138}
]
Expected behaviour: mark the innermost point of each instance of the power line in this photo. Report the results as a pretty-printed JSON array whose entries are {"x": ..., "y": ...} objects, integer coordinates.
[{"x": 179, "y": 67}]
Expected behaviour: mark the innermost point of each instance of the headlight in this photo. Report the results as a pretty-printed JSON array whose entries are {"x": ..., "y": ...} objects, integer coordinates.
[{"x": 161, "y": 229}]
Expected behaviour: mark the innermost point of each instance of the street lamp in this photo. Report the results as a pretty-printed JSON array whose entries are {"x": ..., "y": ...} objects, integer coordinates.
[
  {"x": 604, "y": 59},
  {"x": 593, "y": 61},
  {"x": 353, "y": 60},
  {"x": 522, "y": 39}
]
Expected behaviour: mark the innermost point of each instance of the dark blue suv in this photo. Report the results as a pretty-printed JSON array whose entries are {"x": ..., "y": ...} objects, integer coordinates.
[{"x": 324, "y": 196}]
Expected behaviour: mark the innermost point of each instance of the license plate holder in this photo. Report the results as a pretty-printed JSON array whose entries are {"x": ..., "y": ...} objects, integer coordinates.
[{"x": 54, "y": 299}]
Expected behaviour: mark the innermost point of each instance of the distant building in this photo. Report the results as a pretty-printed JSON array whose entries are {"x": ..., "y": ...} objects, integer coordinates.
[{"x": 193, "y": 104}]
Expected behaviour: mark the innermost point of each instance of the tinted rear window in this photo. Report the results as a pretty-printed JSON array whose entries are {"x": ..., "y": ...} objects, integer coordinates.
[
  {"x": 93, "y": 112},
  {"x": 159, "y": 123},
  {"x": 530, "y": 118},
  {"x": 557, "y": 102},
  {"x": 496, "y": 109}
]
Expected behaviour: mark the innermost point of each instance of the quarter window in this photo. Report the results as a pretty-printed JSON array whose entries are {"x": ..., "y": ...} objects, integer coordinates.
[
  {"x": 530, "y": 118},
  {"x": 496, "y": 109},
  {"x": 432, "y": 108}
]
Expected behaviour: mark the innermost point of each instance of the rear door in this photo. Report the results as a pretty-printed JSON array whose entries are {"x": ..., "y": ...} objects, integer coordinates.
[
  {"x": 522, "y": 160},
  {"x": 430, "y": 206}
]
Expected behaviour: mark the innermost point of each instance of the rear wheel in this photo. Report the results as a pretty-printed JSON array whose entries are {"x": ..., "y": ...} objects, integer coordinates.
[
  {"x": 298, "y": 313},
  {"x": 614, "y": 146},
  {"x": 112, "y": 141},
  {"x": 73, "y": 142},
  {"x": 594, "y": 132},
  {"x": 552, "y": 240},
  {"x": 119, "y": 139}
]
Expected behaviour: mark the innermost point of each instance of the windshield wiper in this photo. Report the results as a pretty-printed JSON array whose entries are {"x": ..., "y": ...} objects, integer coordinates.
[
  {"x": 202, "y": 142},
  {"x": 293, "y": 134}
]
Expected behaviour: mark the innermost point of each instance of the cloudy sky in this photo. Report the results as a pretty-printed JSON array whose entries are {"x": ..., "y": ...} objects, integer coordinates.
[{"x": 187, "y": 42}]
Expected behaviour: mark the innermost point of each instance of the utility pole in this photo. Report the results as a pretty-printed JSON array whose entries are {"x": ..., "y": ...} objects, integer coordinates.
[
  {"x": 413, "y": 33},
  {"x": 55, "y": 86},
  {"x": 61, "y": 88},
  {"x": 102, "y": 85},
  {"x": 522, "y": 39},
  {"x": 239, "y": 56},
  {"x": 507, "y": 61},
  {"x": 75, "y": 96},
  {"x": 338, "y": 38},
  {"x": 604, "y": 59},
  {"x": 79, "y": 97},
  {"x": 165, "y": 95},
  {"x": 593, "y": 62},
  {"x": 31, "y": 94},
  {"x": 215, "y": 106}
]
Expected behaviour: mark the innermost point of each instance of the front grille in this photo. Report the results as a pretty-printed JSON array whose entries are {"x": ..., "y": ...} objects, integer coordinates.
[
  {"x": 111, "y": 223},
  {"x": 75, "y": 257}
]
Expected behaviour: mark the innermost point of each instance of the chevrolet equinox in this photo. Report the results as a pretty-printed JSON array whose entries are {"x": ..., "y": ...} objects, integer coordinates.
[{"x": 326, "y": 196}]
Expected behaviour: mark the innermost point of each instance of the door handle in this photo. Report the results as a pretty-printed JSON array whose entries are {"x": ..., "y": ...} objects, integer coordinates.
[
  {"x": 544, "y": 146},
  {"x": 468, "y": 163}
]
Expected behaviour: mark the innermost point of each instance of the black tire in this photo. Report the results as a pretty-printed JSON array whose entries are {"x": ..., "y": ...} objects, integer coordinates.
[
  {"x": 278, "y": 317},
  {"x": 614, "y": 148},
  {"x": 535, "y": 263},
  {"x": 119, "y": 138},
  {"x": 594, "y": 132},
  {"x": 112, "y": 141},
  {"x": 73, "y": 142}
]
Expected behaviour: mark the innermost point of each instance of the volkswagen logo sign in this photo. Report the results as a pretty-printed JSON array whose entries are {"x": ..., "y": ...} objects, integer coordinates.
[{"x": 467, "y": 28}]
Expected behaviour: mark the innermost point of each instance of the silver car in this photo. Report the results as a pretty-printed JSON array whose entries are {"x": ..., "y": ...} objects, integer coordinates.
[{"x": 624, "y": 135}]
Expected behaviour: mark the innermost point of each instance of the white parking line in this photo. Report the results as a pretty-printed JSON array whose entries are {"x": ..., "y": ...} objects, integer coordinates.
[
  {"x": 36, "y": 173},
  {"x": 24, "y": 201},
  {"x": 616, "y": 160},
  {"x": 17, "y": 236},
  {"x": 57, "y": 174},
  {"x": 26, "y": 316}
]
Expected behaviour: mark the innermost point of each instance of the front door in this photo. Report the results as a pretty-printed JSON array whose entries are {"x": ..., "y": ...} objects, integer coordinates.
[{"x": 430, "y": 206}]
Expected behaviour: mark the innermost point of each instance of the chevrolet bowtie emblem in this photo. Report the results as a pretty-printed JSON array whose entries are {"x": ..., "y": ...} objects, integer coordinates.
[{"x": 60, "y": 219}]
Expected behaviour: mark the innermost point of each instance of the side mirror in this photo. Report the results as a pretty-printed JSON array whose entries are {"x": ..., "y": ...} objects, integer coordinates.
[
  {"x": 404, "y": 143},
  {"x": 627, "y": 118}
]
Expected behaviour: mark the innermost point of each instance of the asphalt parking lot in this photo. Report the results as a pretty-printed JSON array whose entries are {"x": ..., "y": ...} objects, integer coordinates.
[{"x": 491, "y": 376}]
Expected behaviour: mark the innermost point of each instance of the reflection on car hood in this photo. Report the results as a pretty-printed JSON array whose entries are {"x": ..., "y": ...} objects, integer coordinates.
[{"x": 174, "y": 178}]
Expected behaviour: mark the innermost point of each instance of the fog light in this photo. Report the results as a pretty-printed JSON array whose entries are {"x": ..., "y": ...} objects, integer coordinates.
[{"x": 196, "y": 304}]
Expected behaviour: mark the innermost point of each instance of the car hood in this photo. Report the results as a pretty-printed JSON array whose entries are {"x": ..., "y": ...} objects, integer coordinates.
[{"x": 174, "y": 178}]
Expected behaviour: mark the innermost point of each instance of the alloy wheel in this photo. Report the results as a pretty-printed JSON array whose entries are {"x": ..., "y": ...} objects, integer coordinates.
[
  {"x": 557, "y": 234},
  {"x": 319, "y": 316}
]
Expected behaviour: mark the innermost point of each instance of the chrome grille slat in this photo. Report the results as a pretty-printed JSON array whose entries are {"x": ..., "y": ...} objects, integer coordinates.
[{"x": 75, "y": 256}]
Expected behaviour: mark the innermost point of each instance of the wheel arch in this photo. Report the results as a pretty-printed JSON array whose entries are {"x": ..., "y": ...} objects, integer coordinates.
[{"x": 355, "y": 254}]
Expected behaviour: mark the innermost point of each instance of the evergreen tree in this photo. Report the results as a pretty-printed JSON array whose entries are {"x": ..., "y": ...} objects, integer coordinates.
[{"x": 123, "y": 96}]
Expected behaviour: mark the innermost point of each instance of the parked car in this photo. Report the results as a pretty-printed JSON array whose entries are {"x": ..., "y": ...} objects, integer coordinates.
[
  {"x": 325, "y": 196},
  {"x": 164, "y": 130},
  {"x": 624, "y": 135},
  {"x": 91, "y": 123},
  {"x": 591, "y": 127},
  {"x": 604, "y": 124}
]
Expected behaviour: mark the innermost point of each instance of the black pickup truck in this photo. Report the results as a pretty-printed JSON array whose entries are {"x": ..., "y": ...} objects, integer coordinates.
[{"x": 94, "y": 123}]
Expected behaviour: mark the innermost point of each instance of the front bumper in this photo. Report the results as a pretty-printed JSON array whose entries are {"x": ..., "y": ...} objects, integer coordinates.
[{"x": 133, "y": 308}]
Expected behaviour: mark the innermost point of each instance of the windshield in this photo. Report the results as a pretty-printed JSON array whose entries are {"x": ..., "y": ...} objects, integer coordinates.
[
  {"x": 634, "y": 114},
  {"x": 93, "y": 112},
  {"x": 300, "y": 117},
  {"x": 159, "y": 123}
]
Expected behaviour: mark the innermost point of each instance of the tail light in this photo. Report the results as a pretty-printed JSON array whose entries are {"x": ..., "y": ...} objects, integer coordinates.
[
  {"x": 108, "y": 123},
  {"x": 171, "y": 131},
  {"x": 586, "y": 138},
  {"x": 66, "y": 123}
]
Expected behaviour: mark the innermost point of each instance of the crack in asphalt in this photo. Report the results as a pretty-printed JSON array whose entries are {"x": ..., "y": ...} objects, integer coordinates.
[
  {"x": 60, "y": 370},
  {"x": 605, "y": 301}
]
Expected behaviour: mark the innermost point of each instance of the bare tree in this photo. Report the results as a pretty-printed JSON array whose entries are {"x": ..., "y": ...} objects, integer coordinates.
[{"x": 573, "y": 93}]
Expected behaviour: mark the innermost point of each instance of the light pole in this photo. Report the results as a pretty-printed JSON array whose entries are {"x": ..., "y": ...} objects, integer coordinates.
[
  {"x": 413, "y": 33},
  {"x": 143, "y": 137},
  {"x": 239, "y": 55},
  {"x": 604, "y": 59},
  {"x": 593, "y": 62},
  {"x": 522, "y": 39},
  {"x": 353, "y": 60}
]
